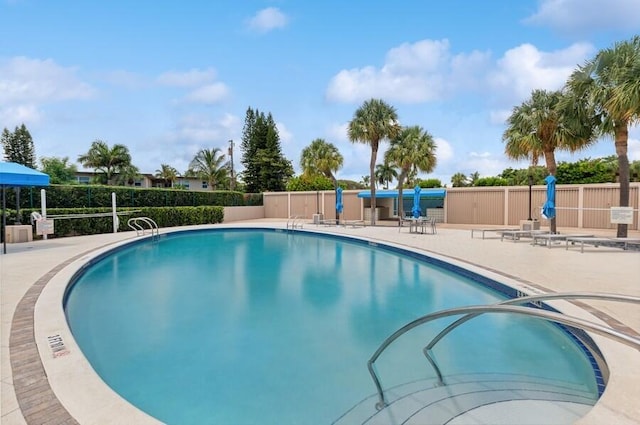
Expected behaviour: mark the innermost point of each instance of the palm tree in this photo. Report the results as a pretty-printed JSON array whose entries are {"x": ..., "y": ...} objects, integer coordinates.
[
  {"x": 372, "y": 123},
  {"x": 473, "y": 178},
  {"x": 209, "y": 165},
  {"x": 609, "y": 86},
  {"x": 167, "y": 173},
  {"x": 321, "y": 158},
  {"x": 385, "y": 174},
  {"x": 127, "y": 175},
  {"x": 539, "y": 126},
  {"x": 459, "y": 180},
  {"x": 412, "y": 150},
  {"x": 106, "y": 160}
]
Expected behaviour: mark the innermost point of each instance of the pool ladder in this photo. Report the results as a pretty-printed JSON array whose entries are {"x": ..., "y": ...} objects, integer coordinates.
[
  {"x": 533, "y": 310},
  {"x": 141, "y": 224},
  {"x": 293, "y": 223}
]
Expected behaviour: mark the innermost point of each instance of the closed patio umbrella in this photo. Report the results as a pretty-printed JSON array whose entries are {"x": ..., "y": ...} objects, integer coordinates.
[
  {"x": 415, "y": 210},
  {"x": 339, "y": 205},
  {"x": 549, "y": 207}
]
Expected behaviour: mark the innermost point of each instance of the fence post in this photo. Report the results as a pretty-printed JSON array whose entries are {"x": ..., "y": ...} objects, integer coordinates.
[{"x": 115, "y": 216}]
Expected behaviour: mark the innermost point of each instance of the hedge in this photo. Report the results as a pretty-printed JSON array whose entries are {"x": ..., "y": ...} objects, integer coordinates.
[
  {"x": 95, "y": 196},
  {"x": 163, "y": 216}
]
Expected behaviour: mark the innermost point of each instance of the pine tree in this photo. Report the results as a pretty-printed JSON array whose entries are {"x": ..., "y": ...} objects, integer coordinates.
[
  {"x": 18, "y": 146},
  {"x": 265, "y": 168}
]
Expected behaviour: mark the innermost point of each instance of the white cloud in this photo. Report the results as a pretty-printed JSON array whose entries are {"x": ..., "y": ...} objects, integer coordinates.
[
  {"x": 525, "y": 68},
  {"x": 192, "y": 78},
  {"x": 209, "y": 94},
  {"x": 284, "y": 133},
  {"x": 268, "y": 19},
  {"x": 444, "y": 150},
  {"x": 633, "y": 149},
  {"x": 338, "y": 133},
  {"x": 27, "y": 84},
  {"x": 583, "y": 16},
  {"x": 418, "y": 72}
]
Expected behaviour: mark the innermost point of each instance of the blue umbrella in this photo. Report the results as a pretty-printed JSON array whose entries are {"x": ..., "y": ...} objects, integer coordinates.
[
  {"x": 416, "y": 211},
  {"x": 339, "y": 206},
  {"x": 549, "y": 207}
]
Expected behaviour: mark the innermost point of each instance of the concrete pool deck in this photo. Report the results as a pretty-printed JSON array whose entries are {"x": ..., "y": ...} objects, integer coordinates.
[{"x": 27, "y": 268}]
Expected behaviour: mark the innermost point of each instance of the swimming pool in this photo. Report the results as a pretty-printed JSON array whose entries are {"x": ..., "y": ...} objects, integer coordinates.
[{"x": 259, "y": 326}]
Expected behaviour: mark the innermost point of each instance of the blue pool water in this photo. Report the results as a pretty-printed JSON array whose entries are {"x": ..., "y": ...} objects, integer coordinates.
[{"x": 265, "y": 327}]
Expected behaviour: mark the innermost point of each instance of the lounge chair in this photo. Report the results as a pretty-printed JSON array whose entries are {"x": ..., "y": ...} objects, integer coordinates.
[
  {"x": 596, "y": 242},
  {"x": 548, "y": 238},
  {"x": 516, "y": 235},
  {"x": 483, "y": 231}
]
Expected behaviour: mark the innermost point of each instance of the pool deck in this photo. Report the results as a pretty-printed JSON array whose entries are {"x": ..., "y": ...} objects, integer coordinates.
[{"x": 28, "y": 268}]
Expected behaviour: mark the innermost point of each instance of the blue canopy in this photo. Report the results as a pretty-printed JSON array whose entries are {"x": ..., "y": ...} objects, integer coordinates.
[
  {"x": 424, "y": 194},
  {"x": 12, "y": 174},
  {"x": 339, "y": 205},
  {"x": 415, "y": 210},
  {"x": 15, "y": 175},
  {"x": 549, "y": 207}
]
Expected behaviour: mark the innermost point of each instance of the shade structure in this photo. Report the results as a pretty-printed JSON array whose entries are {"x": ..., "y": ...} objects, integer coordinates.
[
  {"x": 339, "y": 204},
  {"x": 549, "y": 207},
  {"x": 17, "y": 175},
  {"x": 415, "y": 210}
]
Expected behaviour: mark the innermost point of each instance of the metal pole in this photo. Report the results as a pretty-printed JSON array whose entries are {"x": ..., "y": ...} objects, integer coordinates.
[
  {"x": 115, "y": 216},
  {"x": 4, "y": 219},
  {"x": 232, "y": 183},
  {"x": 530, "y": 183},
  {"x": 43, "y": 208}
]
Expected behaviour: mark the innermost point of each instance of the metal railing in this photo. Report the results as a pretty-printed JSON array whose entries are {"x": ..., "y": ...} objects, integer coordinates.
[
  {"x": 135, "y": 223},
  {"x": 470, "y": 312},
  {"x": 292, "y": 222}
]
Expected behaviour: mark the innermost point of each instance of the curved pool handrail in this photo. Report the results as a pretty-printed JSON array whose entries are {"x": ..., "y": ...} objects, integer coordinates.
[
  {"x": 526, "y": 311},
  {"x": 534, "y": 298},
  {"x": 134, "y": 223},
  {"x": 522, "y": 300}
]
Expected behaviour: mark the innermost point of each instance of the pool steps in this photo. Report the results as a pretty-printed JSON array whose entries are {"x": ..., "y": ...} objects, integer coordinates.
[{"x": 424, "y": 402}]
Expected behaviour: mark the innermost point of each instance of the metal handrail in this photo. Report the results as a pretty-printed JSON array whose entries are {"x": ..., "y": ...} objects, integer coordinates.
[
  {"x": 522, "y": 300},
  {"x": 476, "y": 310},
  {"x": 134, "y": 224},
  {"x": 292, "y": 219}
]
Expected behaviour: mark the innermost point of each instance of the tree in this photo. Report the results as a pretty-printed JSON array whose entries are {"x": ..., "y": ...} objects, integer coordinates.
[
  {"x": 539, "y": 126},
  {"x": 265, "y": 167},
  {"x": 473, "y": 178},
  {"x": 59, "y": 170},
  {"x": 309, "y": 182},
  {"x": 608, "y": 87},
  {"x": 105, "y": 160},
  {"x": 18, "y": 146},
  {"x": 127, "y": 175},
  {"x": 365, "y": 181},
  {"x": 372, "y": 123},
  {"x": 459, "y": 180},
  {"x": 412, "y": 149},
  {"x": 385, "y": 174},
  {"x": 210, "y": 165},
  {"x": 430, "y": 183},
  {"x": 321, "y": 158},
  {"x": 167, "y": 173}
]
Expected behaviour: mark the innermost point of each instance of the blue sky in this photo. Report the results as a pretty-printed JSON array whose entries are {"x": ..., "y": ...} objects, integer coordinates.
[{"x": 168, "y": 78}]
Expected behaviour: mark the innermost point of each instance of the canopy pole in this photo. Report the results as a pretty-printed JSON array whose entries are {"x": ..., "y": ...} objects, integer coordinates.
[
  {"x": 4, "y": 219},
  {"x": 43, "y": 208}
]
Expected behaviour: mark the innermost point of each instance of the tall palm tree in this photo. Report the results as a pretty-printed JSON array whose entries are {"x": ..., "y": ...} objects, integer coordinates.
[
  {"x": 412, "y": 150},
  {"x": 372, "y": 123},
  {"x": 106, "y": 160},
  {"x": 210, "y": 165},
  {"x": 167, "y": 173},
  {"x": 609, "y": 86},
  {"x": 385, "y": 174},
  {"x": 321, "y": 158},
  {"x": 539, "y": 126}
]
